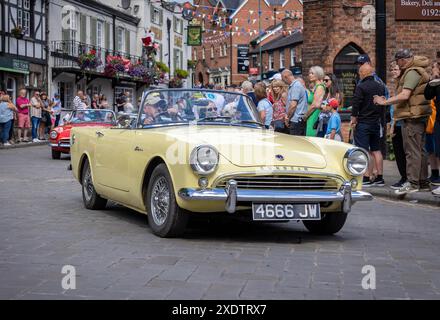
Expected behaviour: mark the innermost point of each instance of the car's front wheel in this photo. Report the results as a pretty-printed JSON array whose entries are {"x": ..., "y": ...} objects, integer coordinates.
[
  {"x": 330, "y": 223},
  {"x": 165, "y": 217},
  {"x": 91, "y": 199},
  {"x": 56, "y": 155}
]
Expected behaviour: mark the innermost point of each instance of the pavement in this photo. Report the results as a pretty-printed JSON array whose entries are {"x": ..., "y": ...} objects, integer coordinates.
[
  {"x": 391, "y": 176},
  {"x": 24, "y": 145},
  {"x": 114, "y": 255}
]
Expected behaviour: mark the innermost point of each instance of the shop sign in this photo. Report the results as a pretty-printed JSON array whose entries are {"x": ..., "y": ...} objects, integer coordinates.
[
  {"x": 243, "y": 59},
  {"x": 420, "y": 10},
  {"x": 15, "y": 65},
  {"x": 194, "y": 35}
]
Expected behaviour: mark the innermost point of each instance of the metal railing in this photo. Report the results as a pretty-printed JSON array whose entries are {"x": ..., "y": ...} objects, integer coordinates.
[{"x": 66, "y": 52}]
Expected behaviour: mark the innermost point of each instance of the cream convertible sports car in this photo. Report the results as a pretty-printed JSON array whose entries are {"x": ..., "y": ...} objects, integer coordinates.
[{"x": 200, "y": 151}]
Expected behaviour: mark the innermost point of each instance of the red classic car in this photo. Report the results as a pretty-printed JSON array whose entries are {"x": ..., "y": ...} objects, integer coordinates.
[{"x": 59, "y": 139}]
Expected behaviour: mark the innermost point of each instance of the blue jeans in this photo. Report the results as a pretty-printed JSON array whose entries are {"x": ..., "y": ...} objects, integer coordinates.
[
  {"x": 35, "y": 124},
  {"x": 5, "y": 126}
]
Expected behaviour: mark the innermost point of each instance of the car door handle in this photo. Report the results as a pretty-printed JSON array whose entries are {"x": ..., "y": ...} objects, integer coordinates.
[
  {"x": 138, "y": 149},
  {"x": 99, "y": 134}
]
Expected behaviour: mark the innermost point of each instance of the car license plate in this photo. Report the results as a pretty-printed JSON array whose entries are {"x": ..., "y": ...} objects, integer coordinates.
[{"x": 281, "y": 211}]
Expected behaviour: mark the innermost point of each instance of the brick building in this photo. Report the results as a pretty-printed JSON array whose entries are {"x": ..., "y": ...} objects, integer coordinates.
[
  {"x": 229, "y": 27},
  {"x": 336, "y": 32},
  {"x": 280, "y": 50}
]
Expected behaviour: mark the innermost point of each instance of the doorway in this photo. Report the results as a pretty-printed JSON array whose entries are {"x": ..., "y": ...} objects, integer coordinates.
[{"x": 346, "y": 70}]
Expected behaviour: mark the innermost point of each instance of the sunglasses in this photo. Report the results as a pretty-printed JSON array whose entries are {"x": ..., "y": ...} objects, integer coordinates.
[
  {"x": 212, "y": 109},
  {"x": 327, "y": 80}
]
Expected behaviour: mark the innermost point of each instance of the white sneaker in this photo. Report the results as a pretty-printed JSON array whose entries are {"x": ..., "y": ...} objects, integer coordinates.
[
  {"x": 35, "y": 140},
  {"x": 7, "y": 144},
  {"x": 436, "y": 192},
  {"x": 407, "y": 187}
]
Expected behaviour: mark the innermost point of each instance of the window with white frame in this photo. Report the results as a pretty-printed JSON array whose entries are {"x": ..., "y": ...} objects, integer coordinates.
[
  {"x": 271, "y": 61},
  {"x": 203, "y": 54},
  {"x": 282, "y": 62},
  {"x": 11, "y": 88},
  {"x": 212, "y": 52},
  {"x": 156, "y": 15},
  {"x": 292, "y": 57},
  {"x": 120, "y": 39},
  {"x": 178, "y": 55},
  {"x": 24, "y": 15},
  {"x": 225, "y": 50},
  {"x": 100, "y": 34},
  {"x": 178, "y": 25}
]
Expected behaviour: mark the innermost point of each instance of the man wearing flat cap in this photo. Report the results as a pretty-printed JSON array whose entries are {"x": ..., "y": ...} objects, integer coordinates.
[{"x": 412, "y": 107}]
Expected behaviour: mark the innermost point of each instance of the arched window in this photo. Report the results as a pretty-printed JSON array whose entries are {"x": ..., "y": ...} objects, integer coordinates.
[{"x": 346, "y": 70}]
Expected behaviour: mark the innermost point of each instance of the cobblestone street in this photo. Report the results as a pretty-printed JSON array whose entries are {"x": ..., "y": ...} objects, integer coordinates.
[{"x": 45, "y": 226}]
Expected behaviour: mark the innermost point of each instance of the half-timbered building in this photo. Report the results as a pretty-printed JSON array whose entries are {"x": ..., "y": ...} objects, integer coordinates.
[{"x": 23, "y": 55}]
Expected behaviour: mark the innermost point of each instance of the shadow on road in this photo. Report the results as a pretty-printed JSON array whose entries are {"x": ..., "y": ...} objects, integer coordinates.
[{"x": 226, "y": 228}]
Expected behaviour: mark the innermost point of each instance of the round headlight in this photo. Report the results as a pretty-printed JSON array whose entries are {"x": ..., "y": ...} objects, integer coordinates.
[
  {"x": 356, "y": 162},
  {"x": 53, "y": 134},
  {"x": 204, "y": 159}
]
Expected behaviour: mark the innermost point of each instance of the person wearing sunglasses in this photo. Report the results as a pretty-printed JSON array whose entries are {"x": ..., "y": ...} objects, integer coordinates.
[{"x": 332, "y": 89}]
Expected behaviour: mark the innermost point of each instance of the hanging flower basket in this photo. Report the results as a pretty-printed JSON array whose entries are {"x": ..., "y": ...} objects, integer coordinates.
[
  {"x": 89, "y": 60},
  {"x": 181, "y": 74},
  {"x": 18, "y": 32},
  {"x": 150, "y": 46},
  {"x": 116, "y": 65},
  {"x": 175, "y": 83},
  {"x": 141, "y": 72}
]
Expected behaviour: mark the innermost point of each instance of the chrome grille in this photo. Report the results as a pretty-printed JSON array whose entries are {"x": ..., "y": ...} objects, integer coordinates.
[{"x": 283, "y": 182}]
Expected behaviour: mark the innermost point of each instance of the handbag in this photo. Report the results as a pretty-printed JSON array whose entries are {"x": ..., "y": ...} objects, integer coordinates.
[{"x": 316, "y": 124}]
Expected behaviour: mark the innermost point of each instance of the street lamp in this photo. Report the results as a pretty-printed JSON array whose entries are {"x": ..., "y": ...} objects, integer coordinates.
[{"x": 169, "y": 42}]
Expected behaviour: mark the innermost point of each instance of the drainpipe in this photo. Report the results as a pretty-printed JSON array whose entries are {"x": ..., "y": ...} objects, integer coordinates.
[
  {"x": 114, "y": 34},
  {"x": 46, "y": 48},
  {"x": 3, "y": 39},
  {"x": 381, "y": 40}
]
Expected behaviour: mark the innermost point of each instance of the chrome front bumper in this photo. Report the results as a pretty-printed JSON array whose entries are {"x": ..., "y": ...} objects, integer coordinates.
[{"x": 231, "y": 195}]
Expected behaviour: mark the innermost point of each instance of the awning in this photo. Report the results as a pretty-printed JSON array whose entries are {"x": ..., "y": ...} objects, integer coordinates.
[{"x": 13, "y": 70}]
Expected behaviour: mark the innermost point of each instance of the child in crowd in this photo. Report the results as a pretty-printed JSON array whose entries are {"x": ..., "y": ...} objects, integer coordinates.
[{"x": 334, "y": 124}]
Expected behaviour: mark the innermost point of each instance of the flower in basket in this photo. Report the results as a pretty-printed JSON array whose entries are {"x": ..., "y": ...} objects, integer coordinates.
[
  {"x": 138, "y": 70},
  {"x": 175, "y": 82},
  {"x": 115, "y": 64},
  {"x": 181, "y": 74},
  {"x": 89, "y": 60}
]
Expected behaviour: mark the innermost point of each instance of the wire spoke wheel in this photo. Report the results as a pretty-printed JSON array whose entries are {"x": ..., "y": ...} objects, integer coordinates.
[{"x": 160, "y": 201}]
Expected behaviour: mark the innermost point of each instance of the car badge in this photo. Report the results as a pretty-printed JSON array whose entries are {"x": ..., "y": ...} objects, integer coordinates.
[{"x": 279, "y": 157}]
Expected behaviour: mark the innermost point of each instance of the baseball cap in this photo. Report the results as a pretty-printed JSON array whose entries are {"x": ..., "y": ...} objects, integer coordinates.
[
  {"x": 276, "y": 76},
  {"x": 403, "y": 54},
  {"x": 362, "y": 59},
  {"x": 333, "y": 103}
]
